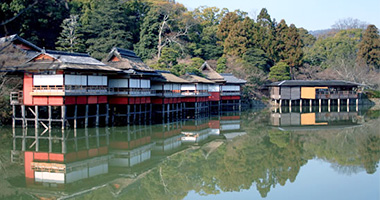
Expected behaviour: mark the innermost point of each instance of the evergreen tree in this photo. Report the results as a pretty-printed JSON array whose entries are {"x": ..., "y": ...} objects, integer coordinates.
[
  {"x": 106, "y": 25},
  {"x": 256, "y": 58},
  {"x": 239, "y": 38},
  {"x": 280, "y": 71},
  {"x": 369, "y": 47},
  {"x": 70, "y": 39},
  {"x": 293, "y": 49},
  {"x": 226, "y": 25},
  {"x": 281, "y": 38}
]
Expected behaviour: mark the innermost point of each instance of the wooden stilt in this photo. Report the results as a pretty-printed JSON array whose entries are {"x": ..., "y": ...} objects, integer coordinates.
[
  {"x": 86, "y": 117},
  {"x": 107, "y": 115},
  {"x": 24, "y": 124},
  {"x": 128, "y": 114},
  {"x": 357, "y": 105},
  {"x": 13, "y": 116},
  {"x": 97, "y": 116},
  {"x": 75, "y": 116},
  {"x": 50, "y": 117},
  {"x": 63, "y": 116}
]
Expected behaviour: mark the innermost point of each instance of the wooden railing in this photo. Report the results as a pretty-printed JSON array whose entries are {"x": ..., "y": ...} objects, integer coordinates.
[
  {"x": 16, "y": 98},
  {"x": 131, "y": 91},
  {"x": 230, "y": 93},
  {"x": 336, "y": 95},
  {"x": 195, "y": 93}
]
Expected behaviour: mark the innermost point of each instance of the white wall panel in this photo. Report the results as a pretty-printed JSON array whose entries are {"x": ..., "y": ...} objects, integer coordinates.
[
  {"x": 168, "y": 86},
  {"x": 188, "y": 87},
  {"x": 53, "y": 79},
  {"x": 134, "y": 83},
  {"x": 176, "y": 86},
  {"x": 145, "y": 83},
  {"x": 76, "y": 80},
  {"x": 230, "y": 88},
  {"x": 95, "y": 80},
  {"x": 48, "y": 177},
  {"x": 213, "y": 88}
]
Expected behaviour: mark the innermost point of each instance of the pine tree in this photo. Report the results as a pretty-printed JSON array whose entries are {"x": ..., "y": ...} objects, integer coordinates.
[
  {"x": 293, "y": 49},
  {"x": 106, "y": 25},
  {"x": 71, "y": 39},
  {"x": 239, "y": 38},
  {"x": 369, "y": 47}
]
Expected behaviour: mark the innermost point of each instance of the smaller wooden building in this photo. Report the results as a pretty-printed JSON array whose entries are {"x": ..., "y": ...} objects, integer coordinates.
[{"x": 315, "y": 92}]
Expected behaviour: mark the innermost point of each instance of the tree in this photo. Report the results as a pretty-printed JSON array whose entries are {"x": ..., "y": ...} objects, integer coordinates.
[
  {"x": 105, "y": 25},
  {"x": 71, "y": 39},
  {"x": 369, "y": 47},
  {"x": 226, "y": 25},
  {"x": 256, "y": 58},
  {"x": 221, "y": 65},
  {"x": 280, "y": 72},
  {"x": 293, "y": 50},
  {"x": 349, "y": 23},
  {"x": 34, "y": 20},
  {"x": 239, "y": 38}
]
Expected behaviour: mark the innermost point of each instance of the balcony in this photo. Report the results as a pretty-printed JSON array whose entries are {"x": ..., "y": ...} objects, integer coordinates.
[
  {"x": 337, "y": 95},
  {"x": 198, "y": 93},
  {"x": 69, "y": 90},
  {"x": 167, "y": 93},
  {"x": 230, "y": 93},
  {"x": 132, "y": 91}
]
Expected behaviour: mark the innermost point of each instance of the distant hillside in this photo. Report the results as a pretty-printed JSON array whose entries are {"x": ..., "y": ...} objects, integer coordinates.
[{"x": 318, "y": 33}]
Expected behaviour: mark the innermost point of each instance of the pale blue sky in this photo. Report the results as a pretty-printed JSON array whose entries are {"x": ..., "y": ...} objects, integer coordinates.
[{"x": 309, "y": 14}]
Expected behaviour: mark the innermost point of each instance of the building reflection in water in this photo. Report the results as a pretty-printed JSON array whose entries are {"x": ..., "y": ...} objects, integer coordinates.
[{"x": 58, "y": 159}]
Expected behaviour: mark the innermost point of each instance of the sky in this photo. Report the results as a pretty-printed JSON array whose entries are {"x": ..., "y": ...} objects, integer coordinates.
[{"x": 309, "y": 14}]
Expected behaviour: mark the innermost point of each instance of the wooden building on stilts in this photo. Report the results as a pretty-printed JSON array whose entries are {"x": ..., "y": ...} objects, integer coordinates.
[
  {"x": 168, "y": 104},
  {"x": 214, "y": 89},
  {"x": 230, "y": 93},
  {"x": 315, "y": 93},
  {"x": 196, "y": 96},
  {"x": 69, "y": 89},
  {"x": 131, "y": 90}
]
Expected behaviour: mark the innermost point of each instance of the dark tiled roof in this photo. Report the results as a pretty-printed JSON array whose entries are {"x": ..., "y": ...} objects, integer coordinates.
[
  {"x": 232, "y": 79},
  {"x": 73, "y": 58},
  {"x": 289, "y": 83},
  {"x": 64, "y": 61},
  {"x": 15, "y": 38}
]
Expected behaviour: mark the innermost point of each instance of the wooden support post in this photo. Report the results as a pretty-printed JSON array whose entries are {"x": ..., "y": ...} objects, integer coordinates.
[
  {"x": 357, "y": 105},
  {"x": 338, "y": 105},
  {"x": 128, "y": 114},
  {"x": 145, "y": 112},
  {"x": 168, "y": 112},
  {"x": 64, "y": 148},
  {"x": 301, "y": 103},
  {"x": 348, "y": 105},
  {"x": 50, "y": 117},
  {"x": 320, "y": 105},
  {"x": 86, "y": 117},
  {"x": 86, "y": 138},
  {"x": 239, "y": 105},
  {"x": 24, "y": 124},
  {"x": 36, "y": 116},
  {"x": 329, "y": 105},
  {"x": 63, "y": 107},
  {"x": 280, "y": 102},
  {"x": 13, "y": 116},
  {"x": 150, "y": 112},
  {"x": 97, "y": 116},
  {"x": 163, "y": 112},
  {"x": 107, "y": 114},
  {"x": 75, "y": 116},
  {"x": 134, "y": 113}
]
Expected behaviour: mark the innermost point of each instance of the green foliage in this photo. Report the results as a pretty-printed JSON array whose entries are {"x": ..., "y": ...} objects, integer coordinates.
[
  {"x": 169, "y": 57},
  {"x": 197, "y": 62},
  {"x": 221, "y": 64},
  {"x": 38, "y": 22},
  {"x": 372, "y": 93},
  {"x": 256, "y": 58},
  {"x": 279, "y": 72},
  {"x": 327, "y": 51},
  {"x": 239, "y": 38},
  {"x": 71, "y": 39},
  {"x": 106, "y": 25},
  {"x": 369, "y": 47}
]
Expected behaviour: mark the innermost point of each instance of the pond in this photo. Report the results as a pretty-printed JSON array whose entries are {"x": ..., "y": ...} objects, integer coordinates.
[{"x": 256, "y": 154}]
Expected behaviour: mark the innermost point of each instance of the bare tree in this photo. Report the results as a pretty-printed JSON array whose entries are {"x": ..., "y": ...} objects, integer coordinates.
[{"x": 349, "y": 23}]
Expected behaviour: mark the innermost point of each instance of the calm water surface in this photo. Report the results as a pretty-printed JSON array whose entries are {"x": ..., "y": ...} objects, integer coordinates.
[{"x": 253, "y": 155}]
